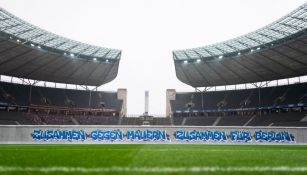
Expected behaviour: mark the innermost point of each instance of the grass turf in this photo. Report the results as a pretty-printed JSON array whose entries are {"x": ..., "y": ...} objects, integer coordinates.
[{"x": 147, "y": 156}]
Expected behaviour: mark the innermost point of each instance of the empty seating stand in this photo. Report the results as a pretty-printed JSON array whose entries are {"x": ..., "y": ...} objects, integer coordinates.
[
  {"x": 233, "y": 120},
  {"x": 269, "y": 106},
  {"x": 268, "y": 97},
  {"x": 200, "y": 121},
  {"x": 19, "y": 94}
]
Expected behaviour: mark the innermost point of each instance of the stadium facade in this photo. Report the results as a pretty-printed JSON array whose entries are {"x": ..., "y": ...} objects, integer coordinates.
[
  {"x": 264, "y": 115},
  {"x": 276, "y": 51}
]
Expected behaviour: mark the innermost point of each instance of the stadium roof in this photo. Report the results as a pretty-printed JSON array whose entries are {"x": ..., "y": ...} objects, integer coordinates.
[
  {"x": 27, "y": 51},
  {"x": 276, "y": 51}
]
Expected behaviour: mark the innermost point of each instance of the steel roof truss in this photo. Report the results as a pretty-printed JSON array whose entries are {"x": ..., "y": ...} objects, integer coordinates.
[
  {"x": 267, "y": 36},
  {"x": 48, "y": 40},
  {"x": 302, "y": 19},
  {"x": 255, "y": 40},
  {"x": 221, "y": 50},
  {"x": 284, "y": 33},
  {"x": 9, "y": 27},
  {"x": 21, "y": 32},
  {"x": 292, "y": 26},
  {"x": 231, "y": 46},
  {"x": 210, "y": 53},
  {"x": 71, "y": 47},
  {"x": 243, "y": 43},
  {"x": 34, "y": 36}
]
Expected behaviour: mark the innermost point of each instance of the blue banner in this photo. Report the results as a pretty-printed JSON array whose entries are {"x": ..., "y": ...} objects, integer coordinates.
[{"x": 162, "y": 135}]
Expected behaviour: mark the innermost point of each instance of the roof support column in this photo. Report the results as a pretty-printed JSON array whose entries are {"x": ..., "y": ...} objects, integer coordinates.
[
  {"x": 90, "y": 95},
  {"x": 30, "y": 95},
  {"x": 259, "y": 96},
  {"x": 259, "y": 91},
  {"x": 202, "y": 95},
  {"x": 90, "y": 99}
]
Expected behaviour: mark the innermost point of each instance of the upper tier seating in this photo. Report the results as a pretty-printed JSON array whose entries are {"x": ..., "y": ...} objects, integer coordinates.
[
  {"x": 18, "y": 94},
  {"x": 277, "y": 106},
  {"x": 269, "y": 96}
]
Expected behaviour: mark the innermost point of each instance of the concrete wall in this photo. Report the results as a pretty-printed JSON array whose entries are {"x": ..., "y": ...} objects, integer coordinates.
[
  {"x": 122, "y": 95},
  {"x": 80, "y": 134},
  {"x": 170, "y": 96}
]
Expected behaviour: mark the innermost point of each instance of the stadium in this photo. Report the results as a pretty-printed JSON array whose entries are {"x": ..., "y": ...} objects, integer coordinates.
[{"x": 246, "y": 115}]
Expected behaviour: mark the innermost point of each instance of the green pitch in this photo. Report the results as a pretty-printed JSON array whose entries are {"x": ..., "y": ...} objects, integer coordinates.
[{"x": 152, "y": 159}]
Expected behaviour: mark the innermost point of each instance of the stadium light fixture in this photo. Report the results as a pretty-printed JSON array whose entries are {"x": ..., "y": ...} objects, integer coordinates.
[
  {"x": 239, "y": 53},
  {"x": 32, "y": 45},
  {"x": 39, "y": 47},
  {"x": 72, "y": 55},
  {"x": 107, "y": 61},
  {"x": 65, "y": 53},
  {"x": 221, "y": 56},
  {"x": 258, "y": 48},
  {"x": 94, "y": 59},
  {"x": 185, "y": 61},
  {"x": 198, "y": 60},
  {"x": 18, "y": 41},
  {"x": 252, "y": 50}
]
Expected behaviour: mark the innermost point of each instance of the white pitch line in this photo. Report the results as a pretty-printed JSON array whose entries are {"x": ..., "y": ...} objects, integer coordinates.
[
  {"x": 156, "y": 150},
  {"x": 155, "y": 169}
]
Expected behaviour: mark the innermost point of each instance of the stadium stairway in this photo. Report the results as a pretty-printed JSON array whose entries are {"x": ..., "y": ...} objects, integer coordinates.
[
  {"x": 216, "y": 122},
  {"x": 75, "y": 121},
  {"x": 250, "y": 120},
  {"x": 184, "y": 121}
]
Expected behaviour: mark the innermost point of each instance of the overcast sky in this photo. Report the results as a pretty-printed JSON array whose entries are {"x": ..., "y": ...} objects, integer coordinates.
[{"x": 147, "y": 31}]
